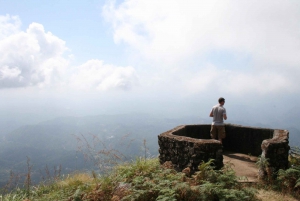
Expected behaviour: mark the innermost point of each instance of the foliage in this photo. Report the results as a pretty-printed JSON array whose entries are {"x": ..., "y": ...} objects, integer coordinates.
[
  {"x": 142, "y": 179},
  {"x": 220, "y": 184},
  {"x": 294, "y": 156},
  {"x": 289, "y": 179},
  {"x": 263, "y": 168},
  {"x": 262, "y": 162},
  {"x": 145, "y": 179}
]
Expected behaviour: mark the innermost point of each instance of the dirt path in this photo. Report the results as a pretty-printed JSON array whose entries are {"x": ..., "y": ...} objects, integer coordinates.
[{"x": 242, "y": 164}]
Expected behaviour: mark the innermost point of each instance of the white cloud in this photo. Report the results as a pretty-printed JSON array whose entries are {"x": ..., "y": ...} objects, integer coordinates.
[
  {"x": 178, "y": 29},
  {"x": 30, "y": 58},
  {"x": 9, "y": 25},
  {"x": 176, "y": 32},
  {"x": 9, "y": 73},
  {"x": 212, "y": 79},
  {"x": 94, "y": 74},
  {"x": 36, "y": 58},
  {"x": 266, "y": 82},
  {"x": 202, "y": 80}
]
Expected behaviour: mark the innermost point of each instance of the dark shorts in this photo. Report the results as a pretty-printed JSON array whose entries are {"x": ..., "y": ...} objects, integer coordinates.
[{"x": 217, "y": 132}]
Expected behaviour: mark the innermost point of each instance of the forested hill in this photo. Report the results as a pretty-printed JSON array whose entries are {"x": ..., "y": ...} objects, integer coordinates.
[{"x": 54, "y": 143}]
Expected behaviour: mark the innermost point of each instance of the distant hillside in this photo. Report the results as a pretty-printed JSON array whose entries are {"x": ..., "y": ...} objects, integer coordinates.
[{"x": 55, "y": 142}]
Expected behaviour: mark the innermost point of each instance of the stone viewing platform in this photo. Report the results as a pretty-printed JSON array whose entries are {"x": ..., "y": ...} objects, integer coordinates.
[{"x": 189, "y": 145}]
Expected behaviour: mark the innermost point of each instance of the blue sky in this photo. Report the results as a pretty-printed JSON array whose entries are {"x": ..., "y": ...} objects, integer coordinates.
[
  {"x": 79, "y": 23},
  {"x": 163, "y": 57}
]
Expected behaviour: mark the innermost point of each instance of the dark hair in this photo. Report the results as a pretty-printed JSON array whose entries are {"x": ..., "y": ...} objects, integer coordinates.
[{"x": 221, "y": 99}]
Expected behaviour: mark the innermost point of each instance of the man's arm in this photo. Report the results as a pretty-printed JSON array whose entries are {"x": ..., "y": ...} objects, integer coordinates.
[
  {"x": 211, "y": 114},
  {"x": 225, "y": 116}
]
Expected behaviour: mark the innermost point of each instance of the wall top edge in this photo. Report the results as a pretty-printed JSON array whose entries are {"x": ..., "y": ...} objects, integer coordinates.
[{"x": 235, "y": 125}]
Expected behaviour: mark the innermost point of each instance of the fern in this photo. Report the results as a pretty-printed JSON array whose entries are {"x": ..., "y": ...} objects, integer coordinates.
[
  {"x": 290, "y": 178},
  {"x": 294, "y": 156},
  {"x": 143, "y": 180}
]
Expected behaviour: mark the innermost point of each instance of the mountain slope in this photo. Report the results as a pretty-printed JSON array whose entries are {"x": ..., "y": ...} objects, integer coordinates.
[{"x": 55, "y": 142}]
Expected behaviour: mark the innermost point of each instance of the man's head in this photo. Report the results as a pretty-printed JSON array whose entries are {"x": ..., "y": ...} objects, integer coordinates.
[{"x": 221, "y": 101}]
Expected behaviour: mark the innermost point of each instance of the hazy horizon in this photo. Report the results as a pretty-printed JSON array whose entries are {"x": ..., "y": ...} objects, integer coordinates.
[{"x": 169, "y": 58}]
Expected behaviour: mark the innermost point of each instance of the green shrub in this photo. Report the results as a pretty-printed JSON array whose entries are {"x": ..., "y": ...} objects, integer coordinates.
[
  {"x": 140, "y": 180},
  {"x": 294, "y": 156},
  {"x": 289, "y": 179}
]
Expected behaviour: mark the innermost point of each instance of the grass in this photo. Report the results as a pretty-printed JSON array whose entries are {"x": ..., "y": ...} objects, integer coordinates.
[
  {"x": 142, "y": 179},
  {"x": 267, "y": 195},
  {"x": 147, "y": 180}
]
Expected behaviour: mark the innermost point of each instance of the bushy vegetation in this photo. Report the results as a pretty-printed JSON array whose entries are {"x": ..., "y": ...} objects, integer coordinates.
[
  {"x": 289, "y": 180},
  {"x": 283, "y": 181},
  {"x": 142, "y": 179},
  {"x": 145, "y": 179}
]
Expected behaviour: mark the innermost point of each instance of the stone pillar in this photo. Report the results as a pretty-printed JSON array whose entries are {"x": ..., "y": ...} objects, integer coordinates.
[{"x": 276, "y": 150}]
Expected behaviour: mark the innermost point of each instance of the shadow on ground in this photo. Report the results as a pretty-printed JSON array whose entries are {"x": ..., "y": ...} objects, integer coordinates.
[{"x": 243, "y": 165}]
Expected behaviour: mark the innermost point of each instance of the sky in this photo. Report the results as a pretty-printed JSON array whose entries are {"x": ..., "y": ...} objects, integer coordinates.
[{"x": 171, "y": 58}]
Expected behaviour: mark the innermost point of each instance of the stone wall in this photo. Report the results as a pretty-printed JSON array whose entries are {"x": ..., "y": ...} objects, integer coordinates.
[
  {"x": 246, "y": 140},
  {"x": 277, "y": 149},
  {"x": 181, "y": 146},
  {"x": 189, "y": 145}
]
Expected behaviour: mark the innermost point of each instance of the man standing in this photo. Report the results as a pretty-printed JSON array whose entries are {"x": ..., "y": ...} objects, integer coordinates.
[{"x": 218, "y": 112}]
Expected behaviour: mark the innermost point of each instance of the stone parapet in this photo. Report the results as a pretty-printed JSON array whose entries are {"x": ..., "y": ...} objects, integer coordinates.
[
  {"x": 184, "y": 151},
  {"x": 244, "y": 139},
  {"x": 277, "y": 149},
  {"x": 189, "y": 145}
]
